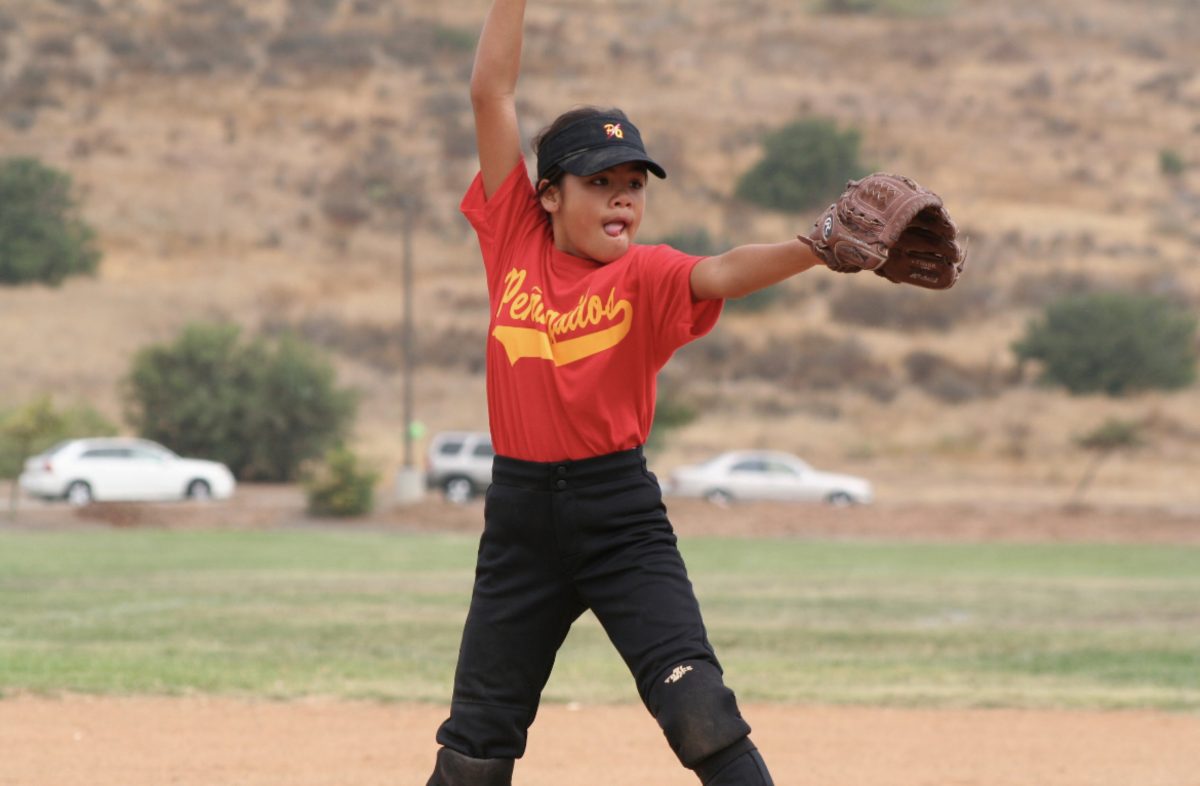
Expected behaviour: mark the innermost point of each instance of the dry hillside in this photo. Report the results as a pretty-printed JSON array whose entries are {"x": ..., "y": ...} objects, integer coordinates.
[{"x": 220, "y": 148}]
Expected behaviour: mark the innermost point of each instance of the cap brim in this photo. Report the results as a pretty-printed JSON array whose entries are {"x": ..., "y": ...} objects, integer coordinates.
[{"x": 589, "y": 162}]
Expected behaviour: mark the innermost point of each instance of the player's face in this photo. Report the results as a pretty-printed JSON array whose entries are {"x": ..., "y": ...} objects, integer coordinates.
[{"x": 597, "y": 217}]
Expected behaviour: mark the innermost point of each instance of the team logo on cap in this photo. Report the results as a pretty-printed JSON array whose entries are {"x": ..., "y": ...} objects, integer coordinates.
[{"x": 612, "y": 130}]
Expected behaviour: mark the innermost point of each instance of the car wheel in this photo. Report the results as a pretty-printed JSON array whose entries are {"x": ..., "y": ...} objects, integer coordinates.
[
  {"x": 199, "y": 490},
  {"x": 840, "y": 499},
  {"x": 719, "y": 497},
  {"x": 79, "y": 493},
  {"x": 458, "y": 490}
]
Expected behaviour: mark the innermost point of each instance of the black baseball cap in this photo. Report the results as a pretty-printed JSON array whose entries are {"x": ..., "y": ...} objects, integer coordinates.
[{"x": 592, "y": 144}]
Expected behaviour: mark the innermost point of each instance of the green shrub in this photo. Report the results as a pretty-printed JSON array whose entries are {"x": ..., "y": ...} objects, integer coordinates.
[
  {"x": 1113, "y": 343},
  {"x": 42, "y": 237},
  {"x": 805, "y": 165},
  {"x": 1112, "y": 434},
  {"x": 1109, "y": 437},
  {"x": 340, "y": 486},
  {"x": 943, "y": 378},
  {"x": 455, "y": 39},
  {"x": 885, "y": 7},
  {"x": 697, "y": 241},
  {"x": 670, "y": 413},
  {"x": 870, "y": 302},
  {"x": 759, "y": 300},
  {"x": 38, "y": 425},
  {"x": 1171, "y": 163},
  {"x": 694, "y": 240},
  {"x": 263, "y": 408}
]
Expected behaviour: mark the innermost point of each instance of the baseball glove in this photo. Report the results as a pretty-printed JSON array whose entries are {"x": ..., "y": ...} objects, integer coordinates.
[{"x": 890, "y": 224}]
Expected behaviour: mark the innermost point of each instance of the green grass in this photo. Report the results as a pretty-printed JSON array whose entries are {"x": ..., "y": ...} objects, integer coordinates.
[{"x": 378, "y": 615}]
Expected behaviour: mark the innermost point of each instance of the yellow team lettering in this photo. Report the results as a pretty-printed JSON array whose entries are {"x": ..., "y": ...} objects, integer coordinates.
[{"x": 613, "y": 318}]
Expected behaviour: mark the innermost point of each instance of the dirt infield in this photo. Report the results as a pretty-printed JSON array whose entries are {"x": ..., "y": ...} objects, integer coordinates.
[{"x": 80, "y": 741}]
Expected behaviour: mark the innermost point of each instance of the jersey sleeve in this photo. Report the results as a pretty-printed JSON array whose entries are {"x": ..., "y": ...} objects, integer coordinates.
[
  {"x": 503, "y": 221},
  {"x": 678, "y": 317}
]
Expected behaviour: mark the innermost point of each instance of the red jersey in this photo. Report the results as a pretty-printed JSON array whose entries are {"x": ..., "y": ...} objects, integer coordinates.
[{"x": 574, "y": 346}]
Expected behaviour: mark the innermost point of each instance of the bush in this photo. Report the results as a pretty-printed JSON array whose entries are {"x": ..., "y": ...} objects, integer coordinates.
[
  {"x": 340, "y": 486},
  {"x": 816, "y": 361},
  {"x": 693, "y": 240},
  {"x": 42, "y": 237},
  {"x": 1171, "y": 163},
  {"x": 1112, "y": 343},
  {"x": 944, "y": 379},
  {"x": 1110, "y": 436},
  {"x": 322, "y": 52},
  {"x": 1038, "y": 291},
  {"x": 670, "y": 413},
  {"x": 261, "y": 408},
  {"x": 38, "y": 425},
  {"x": 805, "y": 165},
  {"x": 697, "y": 242},
  {"x": 886, "y": 7},
  {"x": 873, "y": 303}
]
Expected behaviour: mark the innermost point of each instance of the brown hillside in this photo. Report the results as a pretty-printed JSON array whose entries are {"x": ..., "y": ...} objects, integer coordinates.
[{"x": 221, "y": 148}]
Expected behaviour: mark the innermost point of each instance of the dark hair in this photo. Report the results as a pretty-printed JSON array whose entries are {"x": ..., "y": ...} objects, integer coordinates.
[{"x": 555, "y": 174}]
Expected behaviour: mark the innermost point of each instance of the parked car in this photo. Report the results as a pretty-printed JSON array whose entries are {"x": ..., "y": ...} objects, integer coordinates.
[
  {"x": 766, "y": 475},
  {"x": 460, "y": 464},
  {"x": 122, "y": 469}
]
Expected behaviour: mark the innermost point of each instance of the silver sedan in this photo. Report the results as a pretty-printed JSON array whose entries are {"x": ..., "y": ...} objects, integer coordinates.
[{"x": 766, "y": 475}]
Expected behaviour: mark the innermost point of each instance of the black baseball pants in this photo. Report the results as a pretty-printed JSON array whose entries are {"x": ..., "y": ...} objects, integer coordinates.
[{"x": 561, "y": 538}]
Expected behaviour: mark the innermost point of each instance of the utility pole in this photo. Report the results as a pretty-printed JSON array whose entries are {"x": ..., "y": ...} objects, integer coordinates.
[
  {"x": 410, "y": 481},
  {"x": 395, "y": 187},
  {"x": 408, "y": 339}
]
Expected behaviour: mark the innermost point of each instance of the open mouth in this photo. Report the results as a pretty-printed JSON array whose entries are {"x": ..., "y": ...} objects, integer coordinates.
[{"x": 615, "y": 228}]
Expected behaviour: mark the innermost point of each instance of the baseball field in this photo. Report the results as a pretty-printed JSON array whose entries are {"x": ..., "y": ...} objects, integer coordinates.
[{"x": 319, "y": 654}]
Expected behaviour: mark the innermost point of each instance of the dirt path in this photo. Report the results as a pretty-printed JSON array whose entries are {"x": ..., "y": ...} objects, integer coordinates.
[{"x": 82, "y": 741}]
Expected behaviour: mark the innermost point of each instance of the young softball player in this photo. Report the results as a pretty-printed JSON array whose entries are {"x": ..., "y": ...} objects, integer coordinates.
[{"x": 582, "y": 319}]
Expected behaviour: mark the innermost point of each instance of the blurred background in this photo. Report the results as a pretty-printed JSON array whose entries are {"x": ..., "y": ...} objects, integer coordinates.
[{"x": 227, "y": 190}]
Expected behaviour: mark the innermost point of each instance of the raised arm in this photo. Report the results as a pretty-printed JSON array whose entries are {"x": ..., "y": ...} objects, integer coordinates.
[
  {"x": 746, "y": 269},
  {"x": 494, "y": 92}
]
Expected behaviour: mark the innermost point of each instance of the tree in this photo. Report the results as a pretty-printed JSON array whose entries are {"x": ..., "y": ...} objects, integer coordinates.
[
  {"x": 1104, "y": 440},
  {"x": 42, "y": 237},
  {"x": 261, "y": 408},
  {"x": 38, "y": 425},
  {"x": 805, "y": 164},
  {"x": 1112, "y": 343}
]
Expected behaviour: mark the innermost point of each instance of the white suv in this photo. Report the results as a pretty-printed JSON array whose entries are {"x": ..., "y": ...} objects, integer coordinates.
[{"x": 460, "y": 463}]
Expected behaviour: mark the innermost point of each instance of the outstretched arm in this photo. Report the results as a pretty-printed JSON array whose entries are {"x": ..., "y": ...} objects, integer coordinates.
[
  {"x": 746, "y": 269},
  {"x": 494, "y": 92}
]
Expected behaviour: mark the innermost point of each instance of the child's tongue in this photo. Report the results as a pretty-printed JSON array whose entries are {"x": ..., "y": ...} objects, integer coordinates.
[{"x": 614, "y": 228}]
